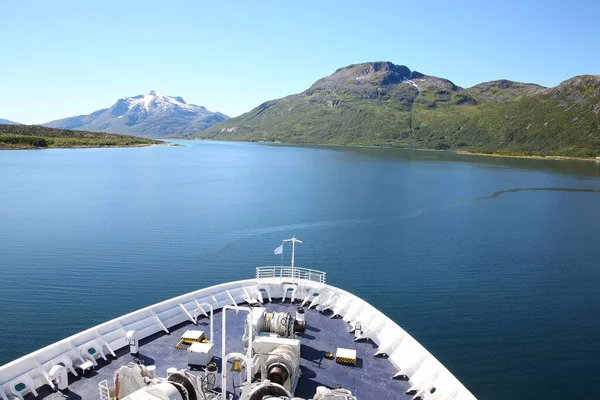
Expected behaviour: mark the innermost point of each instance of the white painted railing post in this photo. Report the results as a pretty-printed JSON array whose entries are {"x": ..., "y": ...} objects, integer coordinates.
[
  {"x": 99, "y": 335},
  {"x": 200, "y": 307},
  {"x": 188, "y": 314},
  {"x": 233, "y": 302},
  {"x": 160, "y": 322}
]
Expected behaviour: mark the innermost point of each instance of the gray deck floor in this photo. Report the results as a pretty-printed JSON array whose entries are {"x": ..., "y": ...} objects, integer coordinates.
[{"x": 370, "y": 379}]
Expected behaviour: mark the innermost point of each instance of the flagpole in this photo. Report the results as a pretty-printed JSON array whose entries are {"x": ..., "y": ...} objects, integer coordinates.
[
  {"x": 282, "y": 253},
  {"x": 293, "y": 240},
  {"x": 293, "y": 248}
]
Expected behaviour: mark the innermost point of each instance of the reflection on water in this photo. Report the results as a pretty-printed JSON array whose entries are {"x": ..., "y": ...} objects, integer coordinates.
[{"x": 578, "y": 168}]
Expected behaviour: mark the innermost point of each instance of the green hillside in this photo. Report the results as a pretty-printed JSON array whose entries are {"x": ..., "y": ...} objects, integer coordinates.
[
  {"x": 382, "y": 104},
  {"x": 34, "y": 136}
]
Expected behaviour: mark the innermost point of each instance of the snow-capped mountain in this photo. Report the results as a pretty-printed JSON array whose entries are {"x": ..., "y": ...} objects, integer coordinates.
[{"x": 154, "y": 115}]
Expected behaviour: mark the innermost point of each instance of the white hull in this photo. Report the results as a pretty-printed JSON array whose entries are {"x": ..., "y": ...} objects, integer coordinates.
[{"x": 405, "y": 353}]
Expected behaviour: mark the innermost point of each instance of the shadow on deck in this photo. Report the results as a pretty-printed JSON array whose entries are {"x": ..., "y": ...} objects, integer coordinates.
[{"x": 369, "y": 379}]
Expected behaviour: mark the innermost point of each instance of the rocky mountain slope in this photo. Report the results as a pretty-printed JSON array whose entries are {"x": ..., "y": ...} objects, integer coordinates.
[
  {"x": 383, "y": 104},
  {"x": 154, "y": 115}
]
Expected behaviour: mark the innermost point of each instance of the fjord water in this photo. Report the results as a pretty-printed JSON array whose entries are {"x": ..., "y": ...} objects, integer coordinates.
[{"x": 493, "y": 264}]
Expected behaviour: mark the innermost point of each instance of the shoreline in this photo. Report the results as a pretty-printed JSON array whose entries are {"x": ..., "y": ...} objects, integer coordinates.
[
  {"x": 472, "y": 153},
  {"x": 93, "y": 147},
  {"x": 35, "y": 137},
  {"x": 461, "y": 152}
]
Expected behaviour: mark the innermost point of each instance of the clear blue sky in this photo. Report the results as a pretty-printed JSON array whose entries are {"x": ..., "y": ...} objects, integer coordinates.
[{"x": 64, "y": 58}]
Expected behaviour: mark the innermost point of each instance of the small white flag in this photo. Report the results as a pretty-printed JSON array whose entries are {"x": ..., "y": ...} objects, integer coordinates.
[{"x": 278, "y": 250}]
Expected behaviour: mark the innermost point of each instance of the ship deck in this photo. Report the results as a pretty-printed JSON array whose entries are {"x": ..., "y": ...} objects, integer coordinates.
[{"x": 369, "y": 379}]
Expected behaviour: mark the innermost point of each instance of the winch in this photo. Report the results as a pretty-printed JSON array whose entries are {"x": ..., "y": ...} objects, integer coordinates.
[{"x": 280, "y": 323}]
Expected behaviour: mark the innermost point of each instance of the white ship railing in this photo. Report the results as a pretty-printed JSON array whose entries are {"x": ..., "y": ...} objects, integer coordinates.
[{"x": 291, "y": 272}]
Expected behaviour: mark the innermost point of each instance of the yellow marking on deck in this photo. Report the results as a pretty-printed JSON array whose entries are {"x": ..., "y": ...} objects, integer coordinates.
[
  {"x": 344, "y": 360},
  {"x": 189, "y": 342}
]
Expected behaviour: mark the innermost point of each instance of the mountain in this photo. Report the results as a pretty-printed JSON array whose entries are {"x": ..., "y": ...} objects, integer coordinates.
[
  {"x": 9, "y": 122},
  {"x": 154, "y": 115},
  {"x": 383, "y": 104}
]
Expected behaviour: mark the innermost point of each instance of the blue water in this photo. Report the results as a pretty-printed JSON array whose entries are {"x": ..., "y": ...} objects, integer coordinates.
[{"x": 499, "y": 281}]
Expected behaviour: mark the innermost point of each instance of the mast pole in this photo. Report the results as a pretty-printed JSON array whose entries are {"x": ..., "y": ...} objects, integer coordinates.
[
  {"x": 293, "y": 249},
  {"x": 293, "y": 240}
]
